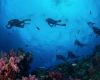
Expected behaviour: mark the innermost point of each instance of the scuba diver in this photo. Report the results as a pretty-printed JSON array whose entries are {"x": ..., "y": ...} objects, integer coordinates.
[
  {"x": 51, "y": 22},
  {"x": 95, "y": 29},
  {"x": 17, "y": 23},
  {"x": 78, "y": 43}
]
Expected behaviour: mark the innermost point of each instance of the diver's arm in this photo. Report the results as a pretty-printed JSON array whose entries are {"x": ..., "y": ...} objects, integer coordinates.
[
  {"x": 26, "y": 20},
  {"x": 51, "y": 25},
  {"x": 8, "y": 26}
]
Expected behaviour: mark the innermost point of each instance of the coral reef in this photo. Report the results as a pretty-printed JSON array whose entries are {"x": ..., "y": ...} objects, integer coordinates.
[
  {"x": 87, "y": 68},
  {"x": 15, "y": 66}
]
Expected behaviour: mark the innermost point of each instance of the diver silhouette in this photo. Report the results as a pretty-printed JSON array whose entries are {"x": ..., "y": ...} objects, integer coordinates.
[
  {"x": 17, "y": 23},
  {"x": 52, "y": 23}
]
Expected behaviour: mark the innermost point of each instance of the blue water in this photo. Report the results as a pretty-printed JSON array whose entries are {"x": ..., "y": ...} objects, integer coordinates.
[{"x": 47, "y": 42}]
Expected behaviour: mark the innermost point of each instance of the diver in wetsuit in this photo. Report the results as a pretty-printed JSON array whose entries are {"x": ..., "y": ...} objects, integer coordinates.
[
  {"x": 51, "y": 22},
  {"x": 95, "y": 29},
  {"x": 17, "y": 23}
]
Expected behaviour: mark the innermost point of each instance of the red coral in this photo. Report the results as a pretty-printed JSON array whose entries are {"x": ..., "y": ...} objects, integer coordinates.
[
  {"x": 13, "y": 62},
  {"x": 8, "y": 67}
]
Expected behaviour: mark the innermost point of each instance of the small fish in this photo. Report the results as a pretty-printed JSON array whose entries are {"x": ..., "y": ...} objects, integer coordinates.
[
  {"x": 72, "y": 55},
  {"x": 37, "y": 27},
  {"x": 42, "y": 67},
  {"x": 61, "y": 57},
  {"x": 78, "y": 43},
  {"x": 96, "y": 30},
  {"x": 74, "y": 64}
]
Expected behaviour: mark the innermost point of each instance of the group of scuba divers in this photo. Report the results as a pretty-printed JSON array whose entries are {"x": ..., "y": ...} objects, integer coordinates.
[
  {"x": 21, "y": 23},
  {"x": 51, "y": 22}
]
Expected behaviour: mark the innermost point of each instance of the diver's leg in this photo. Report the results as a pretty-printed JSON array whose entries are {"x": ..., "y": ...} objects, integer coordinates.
[
  {"x": 21, "y": 26},
  {"x": 61, "y": 24},
  {"x": 51, "y": 25},
  {"x": 25, "y": 21}
]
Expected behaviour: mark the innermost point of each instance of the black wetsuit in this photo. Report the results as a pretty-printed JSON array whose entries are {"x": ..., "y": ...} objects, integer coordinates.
[{"x": 16, "y": 23}]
